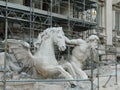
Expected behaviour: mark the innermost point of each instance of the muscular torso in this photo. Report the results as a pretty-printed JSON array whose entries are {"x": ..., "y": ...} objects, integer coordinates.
[{"x": 80, "y": 54}]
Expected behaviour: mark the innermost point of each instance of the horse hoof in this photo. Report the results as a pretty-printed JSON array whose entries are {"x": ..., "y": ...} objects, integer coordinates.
[{"x": 73, "y": 85}]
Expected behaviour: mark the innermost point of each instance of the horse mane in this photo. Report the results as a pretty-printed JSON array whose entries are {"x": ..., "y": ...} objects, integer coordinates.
[
  {"x": 47, "y": 33},
  {"x": 50, "y": 31}
]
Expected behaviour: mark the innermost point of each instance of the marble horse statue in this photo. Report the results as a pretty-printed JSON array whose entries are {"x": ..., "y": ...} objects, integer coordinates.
[
  {"x": 43, "y": 61},
  {"x": 81, "y": 52}
]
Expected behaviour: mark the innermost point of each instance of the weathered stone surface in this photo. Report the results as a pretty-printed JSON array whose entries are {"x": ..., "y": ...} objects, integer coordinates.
[
  {"x": 19, "y": 86},
  {"x": 37, "y": 86}
]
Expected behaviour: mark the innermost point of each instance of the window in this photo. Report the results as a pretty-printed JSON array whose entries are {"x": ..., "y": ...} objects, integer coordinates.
[{"x": 27, "y": 2}]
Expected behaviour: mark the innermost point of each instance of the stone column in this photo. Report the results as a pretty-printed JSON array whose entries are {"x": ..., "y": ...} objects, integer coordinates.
[
  {"x": 103, "y": 16},
  {"x": 108, "y": 18},
  {"x": 113, "y": 19}
]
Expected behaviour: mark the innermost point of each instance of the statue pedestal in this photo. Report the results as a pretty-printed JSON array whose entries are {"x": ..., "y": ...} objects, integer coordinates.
[
  {"x": 43, "y": 86},
  {"x": 18, "y": 86},
  {"x": 33, "y": 86},
  {"x": 37, "y": 86},
  {"x": 60, "y": 86}
]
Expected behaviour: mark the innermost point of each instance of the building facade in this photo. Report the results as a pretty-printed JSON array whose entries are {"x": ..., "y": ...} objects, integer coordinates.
[{"x": 26, "y": 18}]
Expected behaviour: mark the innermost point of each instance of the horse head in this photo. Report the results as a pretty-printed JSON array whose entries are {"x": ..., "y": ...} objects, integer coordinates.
[
  {"x": 59, "y": 38},
  {"x": 56, "y": 34}
]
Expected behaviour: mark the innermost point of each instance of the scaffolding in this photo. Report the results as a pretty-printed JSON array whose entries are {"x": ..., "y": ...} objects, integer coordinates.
[
  {"x": 30, "y": 18},
  {"x": 47, "y": 16}
]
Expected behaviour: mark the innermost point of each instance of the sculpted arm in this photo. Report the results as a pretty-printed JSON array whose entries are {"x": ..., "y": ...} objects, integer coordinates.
[{"x": 73, "y": 41}]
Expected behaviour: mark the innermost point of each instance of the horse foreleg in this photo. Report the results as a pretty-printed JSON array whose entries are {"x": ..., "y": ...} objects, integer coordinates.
[
  {"x": 79, "y": 71},
  {"x": 34, "y": 75},
  {"x": 59, "y": 69},
  {"x": 70, "y": 69}
]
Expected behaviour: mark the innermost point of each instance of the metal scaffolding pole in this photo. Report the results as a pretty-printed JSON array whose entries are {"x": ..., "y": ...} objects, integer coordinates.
[
  {"x": 31, "y": 8},
  {"x": 91, "y": 78},
  {"x": 51, "y": 4},
  {"x": 84, "y": 10},
  {"x": 31, "y": 23},
  {"x": 116, "y": 68},
  {"x": 47, "y": 80},
  {"x": 97, "y": 20},
  {"x": 68, "y": 26},
  {"x": 6, "y": 36}
]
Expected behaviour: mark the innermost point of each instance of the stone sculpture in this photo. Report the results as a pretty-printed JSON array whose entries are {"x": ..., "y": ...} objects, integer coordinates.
[
  {"x": 10, "y": 65},
  {"x": 89, "y": 15},
  {"x": 43, "y": 61},
  {"x": 81, "y": 52}
]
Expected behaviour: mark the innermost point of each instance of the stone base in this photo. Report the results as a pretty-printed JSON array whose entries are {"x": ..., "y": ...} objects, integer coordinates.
[
  {"x": 42, "y": 86},
  {"x": 37, "y": 86},
  {"x": 19, "y": 86}
]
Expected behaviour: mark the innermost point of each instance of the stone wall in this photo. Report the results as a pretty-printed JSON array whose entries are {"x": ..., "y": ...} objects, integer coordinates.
[{"x": 16, "y": 1}]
